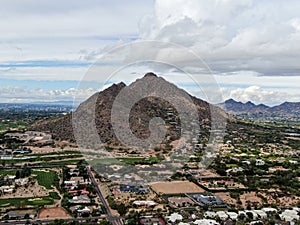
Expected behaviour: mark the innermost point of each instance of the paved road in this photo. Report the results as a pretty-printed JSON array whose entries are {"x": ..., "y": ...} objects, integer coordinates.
[
  {"x": 113, "y": 219},
  {"x": 90, "y": 220}
]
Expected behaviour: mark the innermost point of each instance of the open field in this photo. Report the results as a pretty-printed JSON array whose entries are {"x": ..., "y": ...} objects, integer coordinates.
[
  {"x": 49, "y": 149},
  {"x": 139, "y": 160},
  {"x": 128, "y": 160},
  {"x": 176, "y": 187},
  {"x": 54, "y": 195},
  {"x": 23, "y": 202},
  {"x": 225, "y": 196},
  {"x": 4, "y": 126},
  {"x": 250, "y": 198},
  {"x": 53, "y": 213},
  {"x": 8, "y": 172},
  {"x": 66, "y": 152},
  {"x": 46, "y": 178},
  {"x": 31, "y": 191},
  {"x": 61, "y": 162}
]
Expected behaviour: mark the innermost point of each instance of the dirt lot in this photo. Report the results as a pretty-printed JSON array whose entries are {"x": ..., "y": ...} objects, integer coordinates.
[
  {"x": 176, "y": 187},
  {"x": 225, "y": 196},
  {"x": 49, "y": 149},
  {"x": 53, "y": 213},
  {"x": 280, "y": 200},
  {"x": 250, "y": 198},
  {"x": 33, "y": 190}
]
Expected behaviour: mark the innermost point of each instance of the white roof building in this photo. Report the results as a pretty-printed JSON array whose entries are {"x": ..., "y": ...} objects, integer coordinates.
[
  {"x": 289, "y": 215},
  {"x": 11, "y": 177},
  {"x": 261, "y": 213},
  {"x": 232, "y": 215},
  {"x": 210, "y": 214},
  {"x": 255, "y": 222},
  {"x": 222, "y": 215},
  {"x": 259, "y": 162},
  {"x": 144, "y": 203},
  {"x": 175, "y": 217},
  {"x": 22, "y": 181},
  {"x": 269, "y": 210},
  {"x": 241, "y": 212},
  {"x": 84, "y": 210},
  {"x": 206, "y": 222}
]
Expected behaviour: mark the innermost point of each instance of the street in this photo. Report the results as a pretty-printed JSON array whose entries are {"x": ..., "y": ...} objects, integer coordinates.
[{"x": 113, "y": 219}]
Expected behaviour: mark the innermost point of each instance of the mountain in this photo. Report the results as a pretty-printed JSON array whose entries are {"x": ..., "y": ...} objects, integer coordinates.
[
  {"x": 234, "y": 107},
  {"x": 286, "y": 109},
  {"x": 98, "y": 110}
]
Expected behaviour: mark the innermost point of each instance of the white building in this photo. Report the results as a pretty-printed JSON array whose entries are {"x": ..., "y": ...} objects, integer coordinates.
[
  {"x": 261, "y": 213},
  {"x": 289, "y": 215},
  {"x": 222, "y": 215},
  {"x": 175, "y": 217},
  {"x": 206, "y": 222},
  {"x": 210, "y": 214},
  {"x": 259, "y": 162},
  {"x": 269, "y": 210},
  {"x": 232, "y": 215}
]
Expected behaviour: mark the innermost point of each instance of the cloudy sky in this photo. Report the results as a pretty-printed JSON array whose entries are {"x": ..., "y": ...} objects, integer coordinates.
[{"x": 251, "y": 47}]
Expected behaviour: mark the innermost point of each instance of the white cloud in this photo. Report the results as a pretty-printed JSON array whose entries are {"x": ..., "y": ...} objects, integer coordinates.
[
  {"x": 25, "y": 94},
  {"x": 62, "y": 18},
  {"x": 262, "y": 36},
  {"x": 252, "y": 46},
  {"x": 258, "y": 95}
]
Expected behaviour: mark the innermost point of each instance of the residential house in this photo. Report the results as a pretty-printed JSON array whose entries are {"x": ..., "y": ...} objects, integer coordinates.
[
  {"x": 79, "y": 192},
  {"x": 181, "y": 201},
  {"x": 138, "y": 189},
  {"x": 80, "y": 180},
  {"x": 7, "y": 189},
  {"x": 81, "y": 210},
  {"x": 175, "y": 217},
  {"x": 259, "y": 162},
  {"x": 206, "y": 222},
  {"x": 289, "y": 215},
  {"x": 22, "y": 181},
  {"x": 150, "y": 220},
  {"x": 222, "y": 215},
  {"x": 207, "y": 200},
  {"x": 81, "y": 199},
  {"x": 70, "y": 185},
  {"x": 20, "y": 214},
  {"x": 232, "y": 215},
  {"x": 145, "y": 203}
]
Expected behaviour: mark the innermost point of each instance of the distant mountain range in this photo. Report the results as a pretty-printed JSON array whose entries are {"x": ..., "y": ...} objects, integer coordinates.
[{"x": 288, "y": 109}]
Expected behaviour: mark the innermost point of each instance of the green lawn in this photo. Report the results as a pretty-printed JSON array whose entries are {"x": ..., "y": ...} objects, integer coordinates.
[
  {"x": 136, "y": 160},
  {"x": 8, "y": 172},
  {"x": 139, "y": 160},
  {"x": 46, "y": 179},
  {"x": 3, "y": 127},
  {"x": 54, "y": 195},
  {"x": 57, "y": 153},
  {"x": 67, "y": 162},
  {"x": 16, "y": 124},
  {"x": 23, "y": 202}
]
